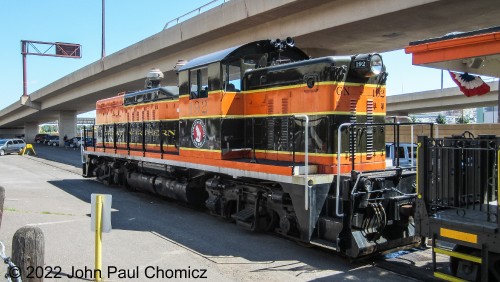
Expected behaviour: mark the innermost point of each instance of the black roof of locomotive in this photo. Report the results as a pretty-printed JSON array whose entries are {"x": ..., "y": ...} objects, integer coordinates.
[{"x": 256, "y": 47}]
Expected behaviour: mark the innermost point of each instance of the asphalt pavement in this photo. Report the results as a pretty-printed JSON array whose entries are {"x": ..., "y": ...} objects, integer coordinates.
[{"x": 153, "y": 238}]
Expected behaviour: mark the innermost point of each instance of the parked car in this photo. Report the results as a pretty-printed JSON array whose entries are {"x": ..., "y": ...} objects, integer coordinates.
[
  {"x": 73, "y": 142},
  {"x": 8, "y": 146},
  {"x": 89, "y": 141},
  {"x": 40, "y": 138},
  {"x": 47, "y": 138},
  {"x": 53, "y": 141},
  {"x": 404, "y": 153}
]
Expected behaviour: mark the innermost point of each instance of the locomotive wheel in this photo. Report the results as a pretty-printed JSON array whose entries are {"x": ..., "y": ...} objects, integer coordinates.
[
  {"x": 271, "y": 221},
  {"x": 229, "y": 209},
  {"x": 125, "y": 182}
]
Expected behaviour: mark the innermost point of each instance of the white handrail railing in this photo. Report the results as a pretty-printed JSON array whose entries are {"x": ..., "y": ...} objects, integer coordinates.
[{"x": 178, "y": 19}]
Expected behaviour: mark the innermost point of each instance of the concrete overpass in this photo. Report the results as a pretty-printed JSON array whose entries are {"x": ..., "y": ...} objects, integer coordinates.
[
  {"x": 439, "y": 100},
  {"x": 19, "y": 131},
  {"x": 321, "y": 27}
]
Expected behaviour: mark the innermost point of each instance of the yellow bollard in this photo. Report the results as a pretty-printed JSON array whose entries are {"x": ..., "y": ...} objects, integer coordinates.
[
  {"x": 98, "y": 238},
  {"x": 27, "y": 150}
]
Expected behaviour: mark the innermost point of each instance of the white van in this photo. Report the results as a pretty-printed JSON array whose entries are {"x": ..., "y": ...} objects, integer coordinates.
[{"x": 407, "y": 157}]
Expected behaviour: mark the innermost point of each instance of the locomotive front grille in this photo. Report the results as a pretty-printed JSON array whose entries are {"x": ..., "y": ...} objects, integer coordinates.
[
  {"x": 284, "y": 133},
  {"x": 270, "y": 133},
  {"x": 369, "y": 129},
  {"x": 353, "y": 132}
]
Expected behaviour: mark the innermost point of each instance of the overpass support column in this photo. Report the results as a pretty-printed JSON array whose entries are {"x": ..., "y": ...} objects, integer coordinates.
[
  {"x": 67, "y": 125},
  {"x": 30, "y": 130}
]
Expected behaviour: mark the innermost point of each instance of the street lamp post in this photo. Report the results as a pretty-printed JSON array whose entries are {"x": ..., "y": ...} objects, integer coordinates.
[{"x": 103, "y": 32}]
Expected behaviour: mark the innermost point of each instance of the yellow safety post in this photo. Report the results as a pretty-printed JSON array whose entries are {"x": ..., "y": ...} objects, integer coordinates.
[
  {"x": 27, "y": 149},
  {"x": 98, "y": 237}
]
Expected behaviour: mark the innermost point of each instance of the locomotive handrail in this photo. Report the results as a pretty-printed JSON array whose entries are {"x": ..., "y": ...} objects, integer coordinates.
[
  {"x": 339, "y": 150},
  {"x": 339, "y": 147},
  {"x": 306, "y": 160},
  {"x": 83, "y": 136}
]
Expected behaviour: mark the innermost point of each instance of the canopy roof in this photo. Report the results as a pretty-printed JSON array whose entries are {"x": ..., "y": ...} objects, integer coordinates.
[{"x": 474, "y": 52}]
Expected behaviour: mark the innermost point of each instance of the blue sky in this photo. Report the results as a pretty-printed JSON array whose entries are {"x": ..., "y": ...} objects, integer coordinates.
[{"x": 127, "y": 22}]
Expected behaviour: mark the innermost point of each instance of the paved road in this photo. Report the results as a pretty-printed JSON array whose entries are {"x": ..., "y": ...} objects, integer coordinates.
[
  {"x": 150, "y": 233},
  {"x": 69, "y": 156}
]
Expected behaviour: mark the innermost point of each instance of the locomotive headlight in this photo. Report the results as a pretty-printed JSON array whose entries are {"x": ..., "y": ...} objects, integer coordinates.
[
  {"x": 376, "y": 64},
  {"x": 367, "y": 65}
]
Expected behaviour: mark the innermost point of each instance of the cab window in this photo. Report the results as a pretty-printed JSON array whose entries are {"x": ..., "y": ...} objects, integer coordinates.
[
  {"x": 198, "y": 82},
  {"x": 232, "y": 78},
  {"x": 139, "y": 98}
]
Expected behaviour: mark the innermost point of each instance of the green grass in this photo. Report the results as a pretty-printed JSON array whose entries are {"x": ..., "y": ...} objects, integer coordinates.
[
  {"x": 10, "y": 209},
  {"x": 57, "y": 213},
  {"x": 43, "y": 212}
]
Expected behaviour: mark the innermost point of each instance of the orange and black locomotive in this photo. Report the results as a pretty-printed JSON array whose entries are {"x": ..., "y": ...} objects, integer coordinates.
[{"x": 269, "y": 138}]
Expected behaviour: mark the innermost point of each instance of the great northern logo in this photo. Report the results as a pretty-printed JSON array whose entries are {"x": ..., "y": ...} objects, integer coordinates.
[{"x": 198, "y": 133}]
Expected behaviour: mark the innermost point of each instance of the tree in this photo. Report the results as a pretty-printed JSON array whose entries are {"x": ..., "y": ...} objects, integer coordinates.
[
  {"x": 441, "y": 119},
  {"x": 464, "y": 119}
]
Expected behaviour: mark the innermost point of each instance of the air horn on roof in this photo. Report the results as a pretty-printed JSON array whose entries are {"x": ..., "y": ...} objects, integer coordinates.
[{"x": 282, "y": 44}]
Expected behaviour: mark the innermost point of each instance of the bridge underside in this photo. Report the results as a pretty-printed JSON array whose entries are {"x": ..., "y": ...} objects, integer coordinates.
[{"x": 321, "y": 27}]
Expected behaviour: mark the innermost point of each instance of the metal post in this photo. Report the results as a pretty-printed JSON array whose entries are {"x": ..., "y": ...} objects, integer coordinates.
[
  {"x": 25, "y": 74},
  {"x": 442, "y": 78},
  {"x": 412, "y": 142},
  {"x": 128, "y": 137},
  {"x": 339, "y": 150},
  {"x": 498, "y": 103},
  {"x": 143, "y": 139},
  {"x": 306, "y": 160},
  {"x": 160, "y": 131},
  {"x": 114, "y": 136},
  {"x": 103, "y": 43},
  {"x": 254, "y": 158},
  {"x": 75, "y": 53},
  {"x": 98, "y": 237}
]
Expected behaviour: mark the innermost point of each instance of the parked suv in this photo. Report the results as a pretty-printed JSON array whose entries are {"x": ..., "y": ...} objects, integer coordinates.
[
  {"x": 73, "y": 142},
  {"x": 47, "y": 139},
  {"x": 8, "y": 146},
  {"x": 53, "y": 141},
  {"x": 404, "y": 153},
  {"x": 39, "y": 138}
]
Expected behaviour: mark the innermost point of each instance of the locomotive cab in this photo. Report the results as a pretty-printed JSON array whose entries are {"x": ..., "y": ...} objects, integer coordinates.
[{"x": 212, "y": 106}]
